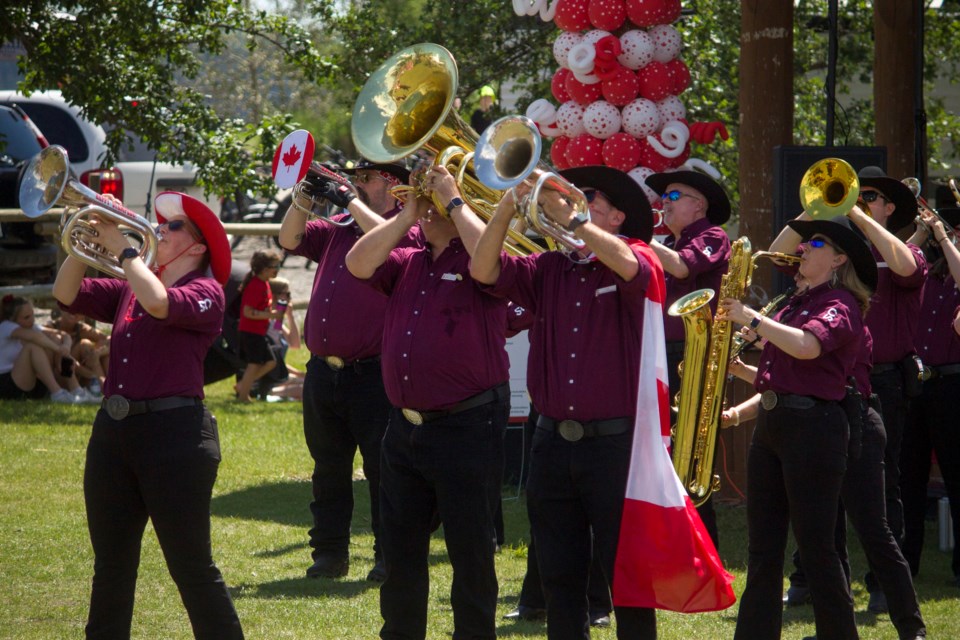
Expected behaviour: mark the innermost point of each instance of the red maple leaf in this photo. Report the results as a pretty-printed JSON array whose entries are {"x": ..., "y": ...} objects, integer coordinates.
[{"x": 291, "y": 157}]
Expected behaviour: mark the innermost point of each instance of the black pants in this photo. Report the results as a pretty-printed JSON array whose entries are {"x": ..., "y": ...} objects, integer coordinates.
[
  {"x": 531, "y": 593},
  {"x": 452, "y": 467},
  {"x": 575, "y": 498},
  {"x": 342, "y": 410},
  {"x": 162, "y": 467},
  {"x": 795, "y": 470},
  {"x": 932, "y": 427}
]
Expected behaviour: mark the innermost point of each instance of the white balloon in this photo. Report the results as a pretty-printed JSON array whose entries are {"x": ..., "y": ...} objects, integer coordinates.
[
  {"x": 570, "y": 119},
  {"x": 640, "y": 175},
  {"x": 581, "y": 58},
  {"x": 640, "y": 118},
  {"x": 637, "y": 49},
  {"x": 566, "y": 41},
  {"x": 667, "y": 42},
  {"x": 601, "y": 119},
  {"x": 671, "y": 108},
  {"x": 674, "y": 136},
  {"x": 545, "y": 8},
  {"x": 544, "y": 114},
  {"x": 594, "y": 36}
]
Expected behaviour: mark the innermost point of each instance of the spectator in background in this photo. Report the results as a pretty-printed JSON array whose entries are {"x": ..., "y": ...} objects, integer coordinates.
[
  {"x": 91, "y": 348},
  {"x": 483, "y": 116},
  {"x": 257, "y": 310},
  {"x": 283, "y": 334},
  {"x": 32, "y": 361}
]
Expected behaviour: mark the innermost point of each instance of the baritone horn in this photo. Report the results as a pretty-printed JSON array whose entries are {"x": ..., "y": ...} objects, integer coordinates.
[
  {"x": 47, "y": 182},
  {"x": 407, "y": 105},
  {"x": 829, "y": 188}
]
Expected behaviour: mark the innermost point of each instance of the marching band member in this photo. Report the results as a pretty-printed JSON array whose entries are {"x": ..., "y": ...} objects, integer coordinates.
[
  {"x": 695, "y": 256},
  {"x": 811, "y": 347},
  {"x": 896, "y": 306},
  {"x": 931, "y": 425},
  {"x": 446, "y": 374},
  {"x": 344, "y": 403},
  {"x": 154, "y": 450},
  {"x": 583, "y": 373}
]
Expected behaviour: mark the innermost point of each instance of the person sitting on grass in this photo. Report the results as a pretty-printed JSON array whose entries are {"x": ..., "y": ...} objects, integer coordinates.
[
  {"x": 91, "y": 347},
  {"x": 32, "y": 361},
  {"x": 257, "y": 310},
  {"x": 283, "y": 334}
]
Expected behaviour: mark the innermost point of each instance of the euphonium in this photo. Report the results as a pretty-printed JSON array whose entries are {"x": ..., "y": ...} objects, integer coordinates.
[
  {"x": 829, "y": 188},
  {"x": 705, "y": 358},
  {"x": 47, "y": 182}
]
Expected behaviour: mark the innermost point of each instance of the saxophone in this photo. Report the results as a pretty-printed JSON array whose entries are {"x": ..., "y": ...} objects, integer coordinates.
[{"x": 706, "y": 355}]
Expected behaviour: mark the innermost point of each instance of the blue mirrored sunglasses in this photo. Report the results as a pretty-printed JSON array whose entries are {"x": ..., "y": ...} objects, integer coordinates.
[
  {"x": 820, "y": 243},
  {"x": 676, "y": 194},
  {"x": 870, "y": 196}
]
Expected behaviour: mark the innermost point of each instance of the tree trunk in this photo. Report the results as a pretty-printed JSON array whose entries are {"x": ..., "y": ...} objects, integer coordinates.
[
  {"x": 766, "y": 113},
  {"x": 896, "y": 28}
]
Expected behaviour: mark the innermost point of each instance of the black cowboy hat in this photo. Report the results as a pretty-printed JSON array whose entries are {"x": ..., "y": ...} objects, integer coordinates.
[
  {"x": 951, "y": 215},
  {"x": 895, "y": 191},
  {"x": 623, "y": 192},
  {"x": 718, "y": 204},
  {"x": 848, "y": 238},
  {"x": 393, "y": 168}
]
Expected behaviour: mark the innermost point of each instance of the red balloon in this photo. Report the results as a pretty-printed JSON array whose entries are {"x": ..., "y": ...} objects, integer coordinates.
[
  {"x": 621, "y": 151},
  {"x": 572, "y": 15},
  {"x": 680, "y": 74},
  {"x": 680, "y": 159},
  {"x": 646, "y": 13},
  {"x": 585, "y": 150},
  {"x": 655, "y": 81},
  {"x": 622, "y": 89},
  {"x": 608, "y": 15},
  {"x": 650, "y": 158},
  {"x": 558, "y": 86},
  {"x": 583, "y": 94},
  {"x": 558, "y": 152}
]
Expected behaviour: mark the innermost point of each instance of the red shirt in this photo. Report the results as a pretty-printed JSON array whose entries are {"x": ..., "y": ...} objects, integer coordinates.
[
  {"x": 833, "y": 317},
  {"x": 937, "y": 343},
  {"x": 584, "y": 360},
  {"x": 345, "y": 316},
  {"x": 705, "y": 249},
  {"x": 258, "y": 296},
  {"x": 895, "y": 309},
  {"x": 443, "y": 338},
  {"x": 151, "y": 358}
]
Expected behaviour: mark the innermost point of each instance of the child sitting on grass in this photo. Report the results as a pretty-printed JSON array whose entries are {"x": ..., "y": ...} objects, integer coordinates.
[{"x": 256, "y": 312}]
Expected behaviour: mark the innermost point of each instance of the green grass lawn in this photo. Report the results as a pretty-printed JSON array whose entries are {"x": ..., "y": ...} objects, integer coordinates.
[{"x": 260, "y": 519}]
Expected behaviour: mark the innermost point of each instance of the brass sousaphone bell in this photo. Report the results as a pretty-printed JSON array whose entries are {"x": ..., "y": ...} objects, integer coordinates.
[{"x": 829, "y": 188}]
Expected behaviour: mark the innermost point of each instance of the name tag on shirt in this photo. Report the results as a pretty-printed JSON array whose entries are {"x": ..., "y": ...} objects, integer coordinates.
[
  {"x": 604, "y": 290},
  {"x": 452, "y": 276}
]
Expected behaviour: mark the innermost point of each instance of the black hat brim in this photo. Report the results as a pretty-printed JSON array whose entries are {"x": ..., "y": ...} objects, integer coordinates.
[
  {"x": 718, "y": 204},
  {"x": 899, "y": 195},
  {"x": 623, "y": 192},
  {"x": 394, "y": 169},
  {"x": 851, "y": 242}
]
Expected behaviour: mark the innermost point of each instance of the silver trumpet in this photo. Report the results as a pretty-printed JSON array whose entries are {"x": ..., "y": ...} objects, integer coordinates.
[
  {"x": 48, "y": 182},
  {"x": 913, "y": 184}
]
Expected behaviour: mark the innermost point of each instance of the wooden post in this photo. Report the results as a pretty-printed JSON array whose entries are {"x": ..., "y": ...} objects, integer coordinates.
[{"x": 766, "y": 113}]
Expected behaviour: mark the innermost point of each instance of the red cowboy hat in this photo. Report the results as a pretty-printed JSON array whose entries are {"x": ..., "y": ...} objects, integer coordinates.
[{"x": 171, "y": 203}]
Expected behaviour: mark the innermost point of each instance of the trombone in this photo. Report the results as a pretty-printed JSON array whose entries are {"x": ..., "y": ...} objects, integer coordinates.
[
  {"x": 916, "y": 189},
  {"x": 47, "y": 181}
]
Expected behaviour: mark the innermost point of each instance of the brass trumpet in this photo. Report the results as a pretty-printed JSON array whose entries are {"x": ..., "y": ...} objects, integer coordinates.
[
  {"x": 303, "y": 199},
  {"x": 916, "y": 189},
  {"x": 47, "y": 182}
]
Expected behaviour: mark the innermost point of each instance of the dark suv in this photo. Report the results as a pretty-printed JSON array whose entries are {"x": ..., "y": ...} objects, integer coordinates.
[{"x": 25, "y": 256}]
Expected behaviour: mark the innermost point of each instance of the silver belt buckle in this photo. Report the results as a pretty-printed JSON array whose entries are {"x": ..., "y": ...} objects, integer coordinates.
[
  {"x": 768, "y": 399},
  {"x": 117, "y": 407},
  {"x": 412, "y": 416},
  {"x": 570, "y": 430},
  {"x": 334, "y": 362}
]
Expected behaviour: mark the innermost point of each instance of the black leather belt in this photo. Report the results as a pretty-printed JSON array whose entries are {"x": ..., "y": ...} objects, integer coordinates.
[
  {"x": 771, "y": 399},
  {"x": 574, "y": 430},
  {"x": 941, "y": 371},
  {"x": 417, "y": 417},
  {"x": 336, "y": 363},
  {"x": 884, "y": 367},
  {"x": 118, "y": 407}
]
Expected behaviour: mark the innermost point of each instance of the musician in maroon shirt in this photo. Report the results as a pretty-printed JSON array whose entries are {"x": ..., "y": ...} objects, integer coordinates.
[
  {"x": 932, "y": 420},
  {"x": 344, "y": 404},
  {"x": 153, "y": 413},
  {"x": 582, "y": 375},
  {"x": 446, "y": 374}
]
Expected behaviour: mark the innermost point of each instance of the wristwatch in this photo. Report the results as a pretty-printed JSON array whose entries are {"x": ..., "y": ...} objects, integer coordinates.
[
  {"x": 755, "y": 322},
  {"x": 129, "y": 252},
  {"x": 453, "y": 204},
  {"x": 578, "y": 220}
]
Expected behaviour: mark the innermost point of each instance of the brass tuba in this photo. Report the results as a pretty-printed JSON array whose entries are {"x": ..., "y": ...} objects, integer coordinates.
[
  {"x": 47, "y": 182},
  {"x": 829, "y": 188},
  {"x": 407, "y": 105}
]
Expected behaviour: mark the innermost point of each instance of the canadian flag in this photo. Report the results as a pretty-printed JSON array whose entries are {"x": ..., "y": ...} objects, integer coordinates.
[
  {"x": 292, "y": 159},
  {"x": 665, "y": 557}
]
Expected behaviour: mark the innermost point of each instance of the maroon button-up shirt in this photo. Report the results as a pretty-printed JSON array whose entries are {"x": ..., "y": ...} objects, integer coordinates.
[
  {"x": 584, "y": 360},
  {"x": 833, "y": 317},
  {"x": 151, "y": 358},
  {"x": 895, "y": 309},
  {"x": 345, "y": 316},
  {"x": 705, "y": 249},
  {"x": 443, "y": 338},
  {"x": 861, "y": 370},
  {"x": 937, "y": 343}
]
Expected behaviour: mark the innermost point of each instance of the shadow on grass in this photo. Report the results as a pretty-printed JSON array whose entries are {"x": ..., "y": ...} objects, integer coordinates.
[
  {"x": 304, "y": 588},
  {"x": 281, "y": 502}
]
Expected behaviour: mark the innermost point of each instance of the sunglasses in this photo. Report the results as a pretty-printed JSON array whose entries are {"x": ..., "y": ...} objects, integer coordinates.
[
  {"x": 676, "y": 194},
  {"x": 177, "y": 225},
  {"x": 591, "y": 194},
  {"x": 870, "y": 196},
  {"x": 818, "y": 243},
  {"x": 363, "y": 178}
]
